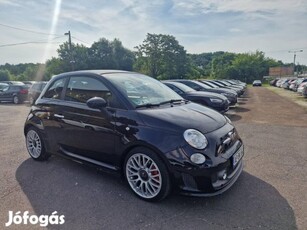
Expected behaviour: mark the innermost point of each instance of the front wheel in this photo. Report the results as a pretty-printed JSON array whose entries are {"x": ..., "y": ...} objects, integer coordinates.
[
  {"x": 147, "y": 175},
  {"x": 35, "y": 145},
  {"x": 31, "y": 100}
]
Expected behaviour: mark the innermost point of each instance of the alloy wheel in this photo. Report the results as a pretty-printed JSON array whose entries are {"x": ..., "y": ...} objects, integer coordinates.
[
  {"x": 143, "y": 175},
  {"x": 34, "y": 144},
  {"x": 15, "y": 100}
]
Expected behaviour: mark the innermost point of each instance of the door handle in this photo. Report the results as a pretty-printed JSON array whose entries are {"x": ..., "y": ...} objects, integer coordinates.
[{"x": 58, "y": 116}]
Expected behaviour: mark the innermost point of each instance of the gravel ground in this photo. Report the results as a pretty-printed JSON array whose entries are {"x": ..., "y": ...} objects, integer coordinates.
[{"x": 270, "y": 193}]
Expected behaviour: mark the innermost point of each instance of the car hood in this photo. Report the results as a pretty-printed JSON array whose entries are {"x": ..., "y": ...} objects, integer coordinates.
[{"x": 181, "y": 117}]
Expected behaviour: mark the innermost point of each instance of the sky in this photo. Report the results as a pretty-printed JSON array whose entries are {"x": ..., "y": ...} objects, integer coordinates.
[{"x": 276, "y": 27}]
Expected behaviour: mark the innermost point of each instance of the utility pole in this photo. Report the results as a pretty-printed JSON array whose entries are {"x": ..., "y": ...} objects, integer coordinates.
[
  {"x": 70, "y": 50},
  {"x": 294, "y": 52}
]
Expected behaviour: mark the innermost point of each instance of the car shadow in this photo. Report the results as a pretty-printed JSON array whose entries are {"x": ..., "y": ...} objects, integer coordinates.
[
  {"x": 241, "y": 109},
  {"x": 92, "y": 200},
  {"x": 234, "y": 117}
]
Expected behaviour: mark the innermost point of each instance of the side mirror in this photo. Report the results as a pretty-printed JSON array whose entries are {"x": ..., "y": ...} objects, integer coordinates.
[{"x": 96, "y": 103}]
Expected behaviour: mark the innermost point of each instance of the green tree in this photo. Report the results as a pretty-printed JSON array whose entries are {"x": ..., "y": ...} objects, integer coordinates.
[
  {"x": 161, "y": 56},
  {"x": 4, "y": 75},
  {"x": 220, "y": 65}
]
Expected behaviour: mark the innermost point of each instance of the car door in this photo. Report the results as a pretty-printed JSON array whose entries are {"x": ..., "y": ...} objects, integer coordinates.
[
  {"x": 86, "y": 133},
  {"x": 3, "y": 88},
  {"x": 8, "y": 92}
]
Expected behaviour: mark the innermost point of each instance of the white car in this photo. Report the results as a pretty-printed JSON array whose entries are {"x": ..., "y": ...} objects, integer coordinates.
[{"x": 301, "y": 87}]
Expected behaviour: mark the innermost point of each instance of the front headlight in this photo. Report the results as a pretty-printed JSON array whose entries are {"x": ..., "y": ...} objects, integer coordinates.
[
  {"x": 226, "y": 94},
  {"x": 215, "y": 100},
  {"x": 195, "y": 138}
]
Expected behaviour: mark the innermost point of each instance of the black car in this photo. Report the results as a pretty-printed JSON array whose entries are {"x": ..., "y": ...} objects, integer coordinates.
[
  {"x": 232, "y": 86},
  {"x": 257, "y": 83},
  {"x": 231, "y": 95},
  {"x": 212, "y": 100},
  {"x": 35, "y": 90},
  {"x": 214, "y": 86},
  {"x": 134, "y": 125},
  {"x": 16, "y": 93}
]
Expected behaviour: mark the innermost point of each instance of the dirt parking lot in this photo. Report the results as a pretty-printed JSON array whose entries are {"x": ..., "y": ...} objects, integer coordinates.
[{"x": 270, "y": 193}]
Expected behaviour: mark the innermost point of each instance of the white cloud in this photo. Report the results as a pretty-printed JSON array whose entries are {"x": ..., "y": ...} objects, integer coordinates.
[{"x": 201, "y": 26}]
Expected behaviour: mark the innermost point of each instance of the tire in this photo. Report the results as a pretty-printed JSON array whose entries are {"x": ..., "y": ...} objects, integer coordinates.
[
  {"x": 35, "y": 145},
  {"x": 31, "y": 100},
  {"x": 16, "y": 100},
  {"x": 147, "y": 175}
]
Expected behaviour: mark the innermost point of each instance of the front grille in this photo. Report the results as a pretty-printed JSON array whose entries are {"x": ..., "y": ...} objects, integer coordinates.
[{"x": 226, "y": 142}]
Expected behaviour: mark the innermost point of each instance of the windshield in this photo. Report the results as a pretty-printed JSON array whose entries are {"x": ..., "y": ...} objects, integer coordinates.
[
  {"x": 217, "y": 83},
  {"x": 182, "y": 87},
  {"x": 142, "y": 90},
  {"x": 210, "y": 84}
]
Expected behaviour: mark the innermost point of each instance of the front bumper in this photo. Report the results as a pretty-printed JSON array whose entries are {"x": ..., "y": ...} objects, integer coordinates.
[
  {"x": 232, "y": 100},
  {"x": 224, "y": 184},
  {"x": 217, "y": 174}
]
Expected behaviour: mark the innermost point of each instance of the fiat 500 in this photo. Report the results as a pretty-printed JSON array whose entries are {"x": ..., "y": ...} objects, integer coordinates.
[{"x": 134, "y": 125}]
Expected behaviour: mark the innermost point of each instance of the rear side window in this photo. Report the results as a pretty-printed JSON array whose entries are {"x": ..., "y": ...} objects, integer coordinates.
[
  {"x": 175, "y": 89},
  {"x": 55, "y": 90},
  {"x": 80, "y": 89}
]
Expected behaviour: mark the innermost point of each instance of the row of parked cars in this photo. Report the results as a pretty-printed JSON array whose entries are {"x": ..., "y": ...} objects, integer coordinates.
[
  {"x": 216, "y": 94},
  {"x": 298, "y": 85},
  {"x": 18, "y": 92}
]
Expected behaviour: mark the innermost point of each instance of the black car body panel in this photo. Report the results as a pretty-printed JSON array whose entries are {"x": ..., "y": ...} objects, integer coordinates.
[
  {"x": 198, "y": 86},
  {"x": 8, "y": 91},
  {"x": 36, "y": 89},
  {"x": 104, "y": 137},
  {"x": 215, "y": 101}
]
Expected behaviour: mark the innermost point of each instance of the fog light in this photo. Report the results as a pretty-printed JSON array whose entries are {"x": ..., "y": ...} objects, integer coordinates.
[{"x": 198, "y": 158}]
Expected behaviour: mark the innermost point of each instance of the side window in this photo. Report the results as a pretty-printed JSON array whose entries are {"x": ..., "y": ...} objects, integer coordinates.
[
  {"x": 80, "y": 89},
  {"x": 175, "y": 89},
  {"x": 55, "y": 90}
]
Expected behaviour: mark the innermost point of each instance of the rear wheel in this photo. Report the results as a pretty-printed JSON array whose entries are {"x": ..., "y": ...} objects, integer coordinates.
[
  {"x": 16, "y": 100},
  {"x": 35, "y": 145},
  {"x": 147, "y": 175}
]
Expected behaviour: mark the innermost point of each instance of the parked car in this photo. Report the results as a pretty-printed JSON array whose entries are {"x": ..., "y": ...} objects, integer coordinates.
[
  {"x": 134, "y": 125},
  {"x": 29, "y": 83},
  {"x": 257, "y": 83},
  {"x": 280, "y": 81},
  {"x": 35, "y": 90},
  {"x": 301, "y": 87},
  {"x": 292, "y": 85},
  {"x": 214, "y": 101},
  {"x": 298, "y": 82},
  {"x": 16, "y": 93},
  {"x": 274, "y": 81},
  {"x": 304, "y": 92},
  {"x": 232, "y": 86},
  {"x": 231, "y": 95},
  {"x": 214, "y": 86}
]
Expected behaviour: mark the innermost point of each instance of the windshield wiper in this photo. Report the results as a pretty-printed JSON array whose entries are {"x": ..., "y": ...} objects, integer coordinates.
[
  {"x": 148, "y": 105},
  {"x": 171, "y": 101}
]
